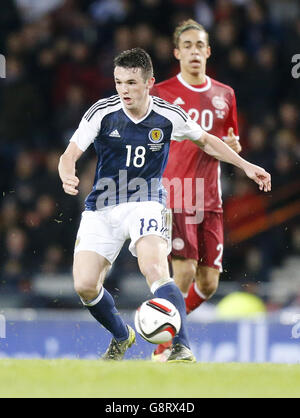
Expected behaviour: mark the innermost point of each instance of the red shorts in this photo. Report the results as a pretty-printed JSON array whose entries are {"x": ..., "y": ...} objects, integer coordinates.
[{"x": 203, "y": 242}]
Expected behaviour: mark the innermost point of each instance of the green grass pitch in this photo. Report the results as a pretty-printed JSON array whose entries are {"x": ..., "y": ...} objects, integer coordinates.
[{"x": 143, "y": 379}]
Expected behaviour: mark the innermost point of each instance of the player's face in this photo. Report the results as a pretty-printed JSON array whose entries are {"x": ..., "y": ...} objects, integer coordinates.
[
  {"x": 193, "y": 51},
  {"x": 132, "y": 88}
]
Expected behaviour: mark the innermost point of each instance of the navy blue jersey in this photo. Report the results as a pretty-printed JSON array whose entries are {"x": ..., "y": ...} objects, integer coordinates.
[{"x": 132, "y": 155}]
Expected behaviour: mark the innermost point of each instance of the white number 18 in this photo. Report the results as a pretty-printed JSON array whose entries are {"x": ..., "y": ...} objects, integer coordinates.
[{"x": 139, "y": 156}]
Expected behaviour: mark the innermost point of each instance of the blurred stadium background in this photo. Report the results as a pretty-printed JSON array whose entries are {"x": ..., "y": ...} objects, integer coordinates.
[{"x": 59, "y": 57}]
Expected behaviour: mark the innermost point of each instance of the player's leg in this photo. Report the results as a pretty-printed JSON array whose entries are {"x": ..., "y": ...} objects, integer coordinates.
[
  {"x": 92, "y": 260},
  {"x": 89, "y": 273},
  {"x": 207, "y": 281},
  {"x": 184, "y": 272},
  {"x": 149, "y": 229},
  {"x": 203, "y": 288},
  {"x": 152, "y": 252},
  {"x": 211, "y": 244},
  {"x": 184, "y": 246}
]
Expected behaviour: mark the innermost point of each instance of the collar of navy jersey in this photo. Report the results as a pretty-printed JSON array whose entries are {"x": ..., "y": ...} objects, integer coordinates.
[
  {"x": 137, "y": 121},
  {"x": 199, "y": 90}
]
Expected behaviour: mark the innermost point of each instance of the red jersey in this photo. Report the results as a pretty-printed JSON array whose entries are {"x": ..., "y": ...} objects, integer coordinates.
[{"x": 213, "y": 106}]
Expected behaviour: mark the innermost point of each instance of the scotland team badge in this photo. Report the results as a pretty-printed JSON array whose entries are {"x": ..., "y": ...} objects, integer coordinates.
[{"x": 156, "y": 136}]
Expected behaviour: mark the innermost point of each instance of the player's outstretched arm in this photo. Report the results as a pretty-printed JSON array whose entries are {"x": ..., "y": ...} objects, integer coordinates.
[
  {"x": 221, "y": 151},
  {"x": 67, "y": 169}
]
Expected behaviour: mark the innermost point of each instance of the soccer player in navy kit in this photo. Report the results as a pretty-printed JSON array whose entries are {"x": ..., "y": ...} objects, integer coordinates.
[{"x": 131, "y": 133}]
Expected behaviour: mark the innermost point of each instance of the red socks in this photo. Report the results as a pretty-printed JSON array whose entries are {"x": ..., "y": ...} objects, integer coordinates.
[{"x": 194, "y": 298}]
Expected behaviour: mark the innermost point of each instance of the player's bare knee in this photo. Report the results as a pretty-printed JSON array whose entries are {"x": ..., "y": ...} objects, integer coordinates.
[
  {"x": 209, "y": 289},
  {"x": 86, "y": 291},
  {"x": 189, "y": 270},
  {"x": 86, "y": 287},
  {"x": 153, "y": 272},
  {"x": 208, "y": 282},
  {"x": 184, "y": 273}
]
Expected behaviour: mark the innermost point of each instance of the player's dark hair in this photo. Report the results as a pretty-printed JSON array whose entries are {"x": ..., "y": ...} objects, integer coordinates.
[
  {"x": 136, "y": 58},
  {"x": 188, "y": 25}
]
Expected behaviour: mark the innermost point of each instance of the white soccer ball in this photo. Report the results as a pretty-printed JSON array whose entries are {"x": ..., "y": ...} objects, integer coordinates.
[{"x": 157, "y": 321}]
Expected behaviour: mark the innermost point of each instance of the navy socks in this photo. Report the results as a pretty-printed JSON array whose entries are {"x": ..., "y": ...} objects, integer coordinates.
[
  {"x": 103, "y": 309},
  {"x": 172, "y": 293},
  {"x": 105, "y": 312}
]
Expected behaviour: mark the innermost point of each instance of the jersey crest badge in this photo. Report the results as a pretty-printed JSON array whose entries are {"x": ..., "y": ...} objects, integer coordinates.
[
  {"x": 219, "y": 103},
  {"x": 178, "y": 244},
  {"x": 156, "y": 135}
]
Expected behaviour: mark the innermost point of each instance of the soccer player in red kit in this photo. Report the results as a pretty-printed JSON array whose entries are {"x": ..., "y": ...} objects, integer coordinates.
[{"x": 197, "y": 248}]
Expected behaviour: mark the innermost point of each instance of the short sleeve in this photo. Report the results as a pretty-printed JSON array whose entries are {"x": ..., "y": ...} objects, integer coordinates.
[
  {"x": 187, "y": 129},
  {"x": 87, "y": 132},
  {"x": 232, "y": 120}
]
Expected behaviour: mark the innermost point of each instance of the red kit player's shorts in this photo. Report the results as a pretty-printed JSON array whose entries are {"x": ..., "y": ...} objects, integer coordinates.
[{"x": 203, "y": 242}]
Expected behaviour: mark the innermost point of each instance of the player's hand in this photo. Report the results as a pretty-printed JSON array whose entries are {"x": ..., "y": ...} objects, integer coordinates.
[
  {"x": 70, "y": 184},
  {"x": 260, "y": 176},
  {"x": 232, "y": 141}
]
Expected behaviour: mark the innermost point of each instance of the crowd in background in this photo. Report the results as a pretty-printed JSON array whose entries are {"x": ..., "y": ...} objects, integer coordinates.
[{"x": 59, "y": 58}]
